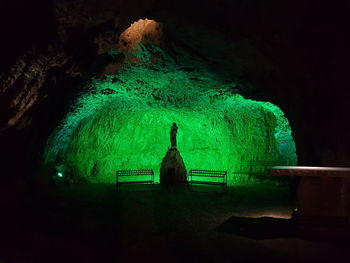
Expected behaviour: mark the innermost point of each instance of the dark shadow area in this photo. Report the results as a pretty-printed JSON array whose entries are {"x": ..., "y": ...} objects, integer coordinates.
[
  {"x": 263, "y": 228},
  {"x": 207, "y": 189},
  {"x": 134, "y": 188},
  {"x": 69, "y": 224},
  {"x": 145, "y": 223},
  {"x": 258, "y": 228}
]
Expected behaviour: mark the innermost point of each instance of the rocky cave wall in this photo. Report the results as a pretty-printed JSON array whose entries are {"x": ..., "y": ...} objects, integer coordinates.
[
  {"x": 292, "y": 53},
  {"x": 122, "y": 121}
]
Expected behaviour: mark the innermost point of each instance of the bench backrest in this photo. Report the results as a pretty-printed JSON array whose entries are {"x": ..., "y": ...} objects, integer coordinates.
[
  {"x": 207, "y": 173},
  {"x": 134, "y": 172},
  {"x": 258, "y": 165}
]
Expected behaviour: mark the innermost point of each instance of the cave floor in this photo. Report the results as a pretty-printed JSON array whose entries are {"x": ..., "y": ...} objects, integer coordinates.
[{"x": 94, "y": 223}]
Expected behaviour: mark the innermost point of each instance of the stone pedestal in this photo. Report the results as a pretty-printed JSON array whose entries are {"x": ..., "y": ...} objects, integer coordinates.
[{"x": 173, "y": 170}]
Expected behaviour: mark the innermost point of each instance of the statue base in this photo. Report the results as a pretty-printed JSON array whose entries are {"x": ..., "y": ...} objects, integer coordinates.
[{"x": 173, "y": 171}]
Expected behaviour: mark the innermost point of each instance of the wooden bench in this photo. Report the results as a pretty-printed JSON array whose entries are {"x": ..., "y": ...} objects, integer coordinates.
[
  {"x": 149, "y": 174},
  {"x": 257, "y": 169},
  {"x": 222, "y": 175}
]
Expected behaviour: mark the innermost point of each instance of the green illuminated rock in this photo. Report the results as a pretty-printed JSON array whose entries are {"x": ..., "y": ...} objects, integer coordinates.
[{"x": 122, "y": 122}]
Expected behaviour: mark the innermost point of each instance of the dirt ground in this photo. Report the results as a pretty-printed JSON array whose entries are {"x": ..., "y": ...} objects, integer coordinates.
[{"x": 95, "y": 223}]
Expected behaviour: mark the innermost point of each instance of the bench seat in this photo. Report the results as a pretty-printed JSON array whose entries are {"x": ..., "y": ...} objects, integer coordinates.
[
  {"x": 256, "y": 169},
  {"x": 136, "y": 182},
  {"x": 207, "y": 182},
  {"x": 134, "y": 177},
  {"x": 207, "y": 174}
]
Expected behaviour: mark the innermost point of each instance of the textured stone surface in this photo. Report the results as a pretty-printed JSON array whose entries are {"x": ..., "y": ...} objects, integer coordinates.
[
  {"x": 293, "y": 53},
  {"x": 22, "y": 87},
  {"x": 173, "y": 170},
  {"x": 142, "y": 31}
]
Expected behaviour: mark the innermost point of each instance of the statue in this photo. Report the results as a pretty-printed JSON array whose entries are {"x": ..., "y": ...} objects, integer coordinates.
[
  {"x": 173, "y": 133},
  {"x": 172, "y": 169}
]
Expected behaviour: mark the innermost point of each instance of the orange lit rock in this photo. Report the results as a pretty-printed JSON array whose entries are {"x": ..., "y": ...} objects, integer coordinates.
[{"x": 142, "y": 31}]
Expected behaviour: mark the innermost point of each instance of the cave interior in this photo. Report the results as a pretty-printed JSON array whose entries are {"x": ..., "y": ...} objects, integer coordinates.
[{"x": 90, "y": 87}]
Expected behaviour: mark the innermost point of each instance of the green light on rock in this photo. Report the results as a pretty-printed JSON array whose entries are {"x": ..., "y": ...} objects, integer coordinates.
[
  {"x": 59, "y": 174},
  {"x": 128, "y": 126}
]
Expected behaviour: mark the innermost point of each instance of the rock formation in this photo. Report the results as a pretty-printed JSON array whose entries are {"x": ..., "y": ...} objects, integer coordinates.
[
  {"x": 293, "y": 54},
  {"x": 173, "y": 170}
]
